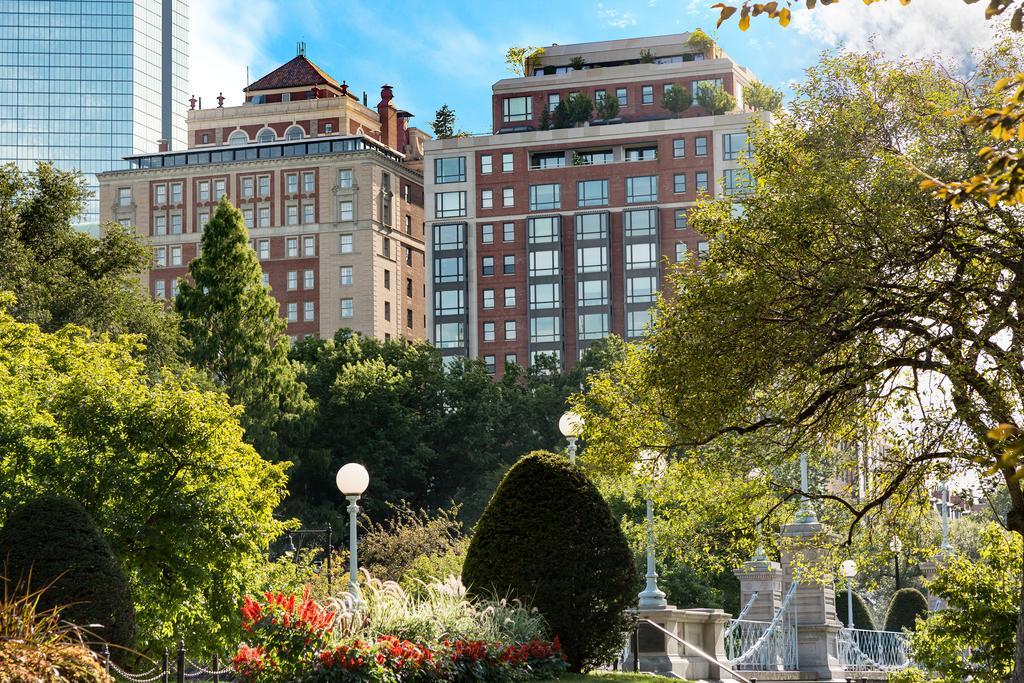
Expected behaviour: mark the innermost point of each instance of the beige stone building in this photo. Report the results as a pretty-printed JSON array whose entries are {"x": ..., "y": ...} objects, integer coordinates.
[{"x": 330, "y": 189}]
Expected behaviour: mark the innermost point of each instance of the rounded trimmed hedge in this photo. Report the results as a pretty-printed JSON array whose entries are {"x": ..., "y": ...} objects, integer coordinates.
[
  {"x": 548, "y": 538},
  {"x": 906, "y": 605},
  {"x": 53, "y": 542},
  {"x": 862, "y": 618}
]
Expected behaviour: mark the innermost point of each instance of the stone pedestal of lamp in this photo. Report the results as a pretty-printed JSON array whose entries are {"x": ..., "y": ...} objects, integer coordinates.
[{"x": 661, "y": 654}]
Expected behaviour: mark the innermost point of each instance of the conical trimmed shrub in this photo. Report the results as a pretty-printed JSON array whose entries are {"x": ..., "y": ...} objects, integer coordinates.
[
  {"x": 548, "y": 538},
  {"x": 54, "y": 540},
  {"x": 906, "y": 605},
  {"x": 862, "y": 618}
]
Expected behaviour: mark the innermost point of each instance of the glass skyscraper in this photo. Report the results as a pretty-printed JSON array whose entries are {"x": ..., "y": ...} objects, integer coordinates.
[{"x": 84, "y": 83}]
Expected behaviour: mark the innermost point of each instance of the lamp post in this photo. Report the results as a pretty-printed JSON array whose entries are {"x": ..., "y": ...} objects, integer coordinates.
[
  {"x": 352, "y": 480},
  {"x": 896, "y": 546},
  {"x": 651, "y": 596},
  {"x": 945, "y": 548},
  {"x": 571, "y": 426},
  {"x": 849, "y": 570},
  {"x": 294, "y": 552}
]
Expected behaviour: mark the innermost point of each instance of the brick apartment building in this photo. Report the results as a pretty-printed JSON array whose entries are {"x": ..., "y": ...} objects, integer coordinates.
[
  {"x": 543, "y": 241},
  {"x": 331, "y": 191}
]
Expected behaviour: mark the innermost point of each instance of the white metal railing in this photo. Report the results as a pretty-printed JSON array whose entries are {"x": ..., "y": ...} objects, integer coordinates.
[
  {"x": 739, "y": 618},
  {"x": 765, "y": 645},
  {"x": 861, "y": 650}
]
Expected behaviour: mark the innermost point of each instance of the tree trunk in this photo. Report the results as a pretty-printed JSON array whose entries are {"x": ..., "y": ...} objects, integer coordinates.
[{"x": 1015, "y": 523}]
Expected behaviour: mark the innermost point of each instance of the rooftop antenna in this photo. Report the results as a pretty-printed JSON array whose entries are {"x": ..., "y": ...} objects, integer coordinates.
[{"x": 300, "y": 48}]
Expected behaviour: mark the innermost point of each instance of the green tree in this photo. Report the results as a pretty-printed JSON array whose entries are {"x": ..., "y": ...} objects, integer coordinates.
[
  {"x": 579, "y": 107},
  {"x": 521, "y": 60},
  {"x": 862, "y": 617},
  {"x": 608, "y": 108},
  {"x": 548, "y": 538},
  {"x": 716, "y": 99},
  {"x": 186, "y": 506},
  {"x": 676, "y": 99},
  {"x": 906, "y": 606},
  {"x": 62, "y": 276},
  {"x": 762, "y": 97},
  {"x": 545, "y": 119},
  {"x": 561, "y": 118},
  {"x": 236, "y": 333},
  {"x": 974, "y": 638},
  {"x": 443, "y": 124},
  {"x": 52, "y": 543}
]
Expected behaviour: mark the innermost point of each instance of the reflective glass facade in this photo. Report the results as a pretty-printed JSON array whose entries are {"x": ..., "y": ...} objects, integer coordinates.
[{"x": 84, "y": 83}]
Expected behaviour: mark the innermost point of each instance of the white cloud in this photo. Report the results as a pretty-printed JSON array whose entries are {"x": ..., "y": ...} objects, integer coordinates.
[
  {"x": 226, "y": 36},
  {"x": 614, "y": 17},
  {"x": 923, "y": 28}
]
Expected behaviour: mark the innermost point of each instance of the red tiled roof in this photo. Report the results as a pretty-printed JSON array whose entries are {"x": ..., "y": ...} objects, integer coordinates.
[{"x": 299, "y": 72}]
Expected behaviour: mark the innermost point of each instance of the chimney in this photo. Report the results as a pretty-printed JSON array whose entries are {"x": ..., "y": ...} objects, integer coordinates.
[
  {"x": 163, "y": 145},
  {"x": 388, "y": 118}
]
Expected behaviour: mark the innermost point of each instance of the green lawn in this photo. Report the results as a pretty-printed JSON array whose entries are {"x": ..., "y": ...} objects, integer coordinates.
[{"x": 602, "y": 677}]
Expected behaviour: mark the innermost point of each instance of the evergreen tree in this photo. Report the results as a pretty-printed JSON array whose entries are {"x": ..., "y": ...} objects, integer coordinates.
[
  {"x": 561, "y": 117},
  {"x": 236, "y": 333},
  {"x": 443, "y": 124},
  {"x": 545, "y": 119}
]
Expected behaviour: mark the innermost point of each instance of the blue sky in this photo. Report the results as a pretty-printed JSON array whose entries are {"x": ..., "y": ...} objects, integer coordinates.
[{"x": 451, "y": 52}]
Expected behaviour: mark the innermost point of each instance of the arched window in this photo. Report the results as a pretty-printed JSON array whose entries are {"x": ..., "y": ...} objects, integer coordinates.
[
  {"x": 266, "y": 135},
  {"x": 294, "y": 133},
  {"x": 239, "y": 137}
]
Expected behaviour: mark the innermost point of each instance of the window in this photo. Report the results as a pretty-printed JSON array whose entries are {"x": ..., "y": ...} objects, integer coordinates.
[
  {"x": 328, "y": 127},
  {"x": 510, "y": 297},
  {"x": 159, "y": 290},
  {"x": 679, "y": 148},
  {"x": 642, "y": 153},
  {"x": 647, "y": 94},
  {"x": 346, "y": 308},
  {"x": 450, "y": 170},
  {"x": 486, "y": 164},
  {"x": 591, "y": 226},
  {"x": 507, "y": 163},
  {"x": 307, "y": 214},
  {"x": 160, "y": 257},
  {"x": 345, "y": 179},
  {"x": 681, "y": 219},
  {"x": 387, "y": 279},
  {"x": 510, "y": 359},
  {"x": 159, "y": 225},
  {"x": 486, "y": 199},
  {"x": 488, "y": 298},
  {"x": 487, "y": 265},
  {"x": 508, "y": 232},
  {"x": 702, "y": 249},
  {"x": 265, "y": 278},
  {"x": 489, "y": 364},
  {"x": 548, "y": 196},
  {"x": 263, "y": 249},
  {"x": 592, "y": 158},
  {"x": 345, "y": 244},
  {"x": 543, "y": 230},
  {"x": 547, "y": 329},
  {"x": 176, "y": 224},
  {"x": 736, "y": 181},
  {"x": 263, "y": 185},
  {"x": 408, "y": 286},
  {"x": 641, "y": 256},
  {"x": 408, "y": 225},
  {"x": 679, "y": 183},
  {"x": 176, "y": 256},
  {"x": 553, "y": 100},
  {"x": 542, "y": 160},
  {"x": 247, "y": 187},
  {"x": 545, "y": 295},
  {"x": 642, "y": 189},
  {"x": 544, "y": 263},
  {"x": 218, "y": 186},
  {"x": 408, "y": 256},
  {"x": 449, "y": 236},
  {"x": 307, "y": 182},
  {"x": 247, "y": 216},
  {"x": 509, "y": 264},
  {"x": 294, "y": 133},
  {"x": 623, "y": 96},
  {"x": 592, "y": 293},
  {"x": 700, "y": 146},
  {"x": 449, "y": 302},
  {"x": 488, "y": 331},
  {"x": 591, "y": 259},
  {"x": 291, "y": 182},
  {"x": 449, "y": 335},
  {"x": 407, "y": 192},
  {"x": 386, "y": 247},
  {"x": 516, "y": 109},
  {"x": 701, "y": 181},
  {"x": 733, "y": 145},
  {"x": 636, "y": 321},
  {"x": 487, "y": 233},
  {"x": 266, "y": 135},
  {"x": 345, "y": 211},
  {"x": 599, "y": 96},
  {"x": 206, "y": 138},
  {"x": 508, "y": 197},
  {"x": 124, "y": 196},
  {"x": 293, "y": 280},
  {"x": 239, "y": 137},
  {"x": 308, "y": 279},
  {"x": 408, "y": 317},
  {"x": 174, "y": 288},
  {"x": 449, "y": 204},
  {"x": 592, "y": 193},
  {"x": 345, "y": 276},
  {"x": 204, "y": 190},
  {"x": 593, "y": 325},
  {"x": 387, "y": 310},
  {"x": 292, "y": 247},
  {"x": 510, "y": 330},
  {"x": 159, "y": 195},
  {"x": 293, "y": 312},
  {"x": 640, "y": 222},
  {"x": 292, "y": 213},
  {"x": 204, "y": 218},
  {"x": 680, "y": 251}
]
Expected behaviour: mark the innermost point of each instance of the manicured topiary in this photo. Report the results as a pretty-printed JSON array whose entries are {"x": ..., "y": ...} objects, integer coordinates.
[
  {"x": 906, "y": 605},
  {"x": 548, "y": 538},
  {"x": 862, "y": 618},
  {"x": 56, "y": 540}
]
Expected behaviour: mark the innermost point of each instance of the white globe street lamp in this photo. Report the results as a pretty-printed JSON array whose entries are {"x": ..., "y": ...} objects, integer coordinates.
[
  {"x": 571, "y": 426},
  {"x": 651, "y": 596},
  {"x": 352, "y": 480},
  {"x": 848, "y": 569},
  {"x": 896, "y": 546}
]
